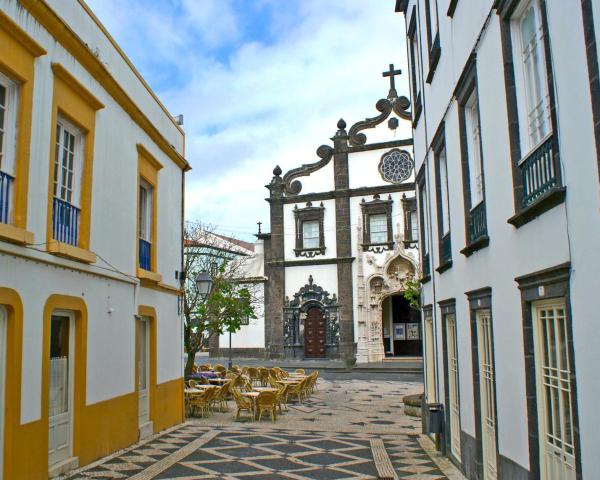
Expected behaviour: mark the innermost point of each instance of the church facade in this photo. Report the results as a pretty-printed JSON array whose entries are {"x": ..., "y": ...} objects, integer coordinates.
[{"x": 342, "y": 242}]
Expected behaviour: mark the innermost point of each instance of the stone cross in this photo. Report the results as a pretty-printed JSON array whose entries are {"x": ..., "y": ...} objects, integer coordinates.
[{"x": 392, "y": 73}]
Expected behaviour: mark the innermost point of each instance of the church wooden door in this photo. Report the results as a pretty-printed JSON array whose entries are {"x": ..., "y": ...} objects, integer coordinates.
[{"x": 314, "y": 334}]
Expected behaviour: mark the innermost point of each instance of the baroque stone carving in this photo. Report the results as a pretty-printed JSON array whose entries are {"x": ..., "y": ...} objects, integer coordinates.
[
  {"x": 398, "y": 105},
  {"x": 292, "y": 186},
  {"x": 294, "y": 313}
]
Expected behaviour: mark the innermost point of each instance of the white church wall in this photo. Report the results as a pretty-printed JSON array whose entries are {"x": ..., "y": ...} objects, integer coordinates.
[
  {"x": 289, "y": 228},
  {"x": 320, "y": 181},
  {"x": 324, "y": 276},
  {"x": 363, "y": 167}
]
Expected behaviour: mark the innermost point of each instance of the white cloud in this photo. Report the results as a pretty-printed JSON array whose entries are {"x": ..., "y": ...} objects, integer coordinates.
[{"x": 266, "y": 102}]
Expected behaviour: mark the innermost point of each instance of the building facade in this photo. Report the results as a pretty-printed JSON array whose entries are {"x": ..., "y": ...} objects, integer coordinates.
[
  {"x": 91, "y": 208},
  {"x": 506, "y": 142},
  {"x": 342, "y": 242}
]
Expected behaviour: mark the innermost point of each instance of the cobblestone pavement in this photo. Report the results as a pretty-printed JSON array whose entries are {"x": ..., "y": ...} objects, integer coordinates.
[{"x": 348, "y": 429}]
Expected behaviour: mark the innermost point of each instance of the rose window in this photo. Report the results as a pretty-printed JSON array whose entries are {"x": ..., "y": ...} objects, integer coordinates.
[{"x": 396, "y": 166}]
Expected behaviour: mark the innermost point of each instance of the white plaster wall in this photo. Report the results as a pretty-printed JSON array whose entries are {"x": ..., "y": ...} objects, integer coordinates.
[
  {"x": 110, "y": 350},
  {"x": 539, "y": 244},
  {"x": 320, "y": 181},
  {"x": 324, "y": 276},
  {"x": 289, "y": 229}
]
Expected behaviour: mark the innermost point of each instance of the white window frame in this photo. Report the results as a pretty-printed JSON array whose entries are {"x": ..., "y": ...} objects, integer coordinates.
[
  {"x": 8, "y": 144},
  {"x": 527, "y": 93},
  {"x": 473, "y": 131},
  {"x": 453, "y": 383},
  {"x": 307, "y": 241},
  {"x": 377, "y": 217},
  {"x": 430, "y": 358},
  {"x": 145, "y": 210},
  {"x": 69, "y": 189}
]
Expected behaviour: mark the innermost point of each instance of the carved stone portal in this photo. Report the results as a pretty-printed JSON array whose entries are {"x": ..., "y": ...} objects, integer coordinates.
[{"x": 294, "y": 316}]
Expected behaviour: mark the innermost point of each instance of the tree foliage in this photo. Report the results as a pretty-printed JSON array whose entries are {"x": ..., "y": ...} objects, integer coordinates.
[
  {"x": 231, "y": 300},
  {"x": 412, "y": 291}
]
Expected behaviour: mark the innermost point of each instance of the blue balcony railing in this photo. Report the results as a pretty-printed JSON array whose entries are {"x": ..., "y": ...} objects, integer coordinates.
[
  {"x": 65, "y": 222},
  {"x": 539, "y": 172},
  {"x": 477, "y": 223},
  {"x": 145, "y": 253},
  {"x": 5, "y": 195}
]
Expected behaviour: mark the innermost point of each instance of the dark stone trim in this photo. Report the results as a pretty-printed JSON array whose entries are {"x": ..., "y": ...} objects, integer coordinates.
[
  {"x": 351, "y": 192},
  {"x": 409, "y": 205},
  {"x": 293, "y": 186},
  {"x": 309, "y": 214},
  {"x": 546, "y": 202},
  {"x": 591, "y": 49},
  {"x": 452, "y": 8},
  {"x": 415, "y": 90},
  {"x": 417, "y": 108},
  {"x": 401, "y": 5},
  {"x": 467, "y": 80},
  {"x": 447, "y": 307},
  {"x": 444, "y": 266},
  {"x": 424, "y": 279},
  {"x": 380, "y": 145},
  {"x": 438, "y": 145},
  {"x": 377, "y": 207},
  {"x": 510, "y": 469},
  {"x": 480, "y": 299},
  {"x": 476, "y": 245},
  {"x": 434, "y": 57},
  {"x": 505, "y": 8},
  {"x": 556, "y": 284},
  {"x": 469, "y": 451},
  {"x": 425, "y": 272},
  {"x": 316, "y": 261}
]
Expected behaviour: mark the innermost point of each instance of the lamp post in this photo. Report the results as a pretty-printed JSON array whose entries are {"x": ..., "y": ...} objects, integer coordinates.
[{"x": 204, "y": 283}]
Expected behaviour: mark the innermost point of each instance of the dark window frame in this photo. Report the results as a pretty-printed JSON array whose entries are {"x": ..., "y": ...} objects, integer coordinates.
[
  {"x": 433, "y": 43},
  {"x": 451, "y": 8},
  {"x": 449, "y": 307},
  {"x": 524, "y": 213},
  {"x": 438, "y": 145},
  {"x": 377, "y": 207},
  {"x": 476, "y": 233},
  {"x": 409, "y": 205},
  {"x": 309, "y": 214},
  {"x": 416, "y": 88},
  {"x": 425, "y": 257},
  {"x": 481, "y": 299},
  {"x": 553, "y": 282}
]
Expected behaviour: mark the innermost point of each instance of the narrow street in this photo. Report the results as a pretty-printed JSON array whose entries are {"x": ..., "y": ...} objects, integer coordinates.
[{"x": 349, "y": 429}]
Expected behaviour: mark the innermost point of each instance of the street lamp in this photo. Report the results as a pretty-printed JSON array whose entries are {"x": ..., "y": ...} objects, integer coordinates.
[{"x": 203, "y": 284}]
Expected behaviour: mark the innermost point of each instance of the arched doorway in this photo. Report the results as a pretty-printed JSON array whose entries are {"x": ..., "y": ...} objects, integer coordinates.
[{"x": 401, "y": 327}]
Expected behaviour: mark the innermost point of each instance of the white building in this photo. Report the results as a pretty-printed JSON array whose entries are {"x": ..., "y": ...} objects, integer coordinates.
[
  {"x": 341, "y": 244},
  {"x": 91, "y": 180},
  {"x": 506, "y": 144}
]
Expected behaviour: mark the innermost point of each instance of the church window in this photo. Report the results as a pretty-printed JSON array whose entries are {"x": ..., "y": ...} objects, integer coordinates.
[
  {"x": 310, "y": 234},
  {"x": 396, "y": 166},
  {"x": 310, "y": 238},
  {"x": 472, "y": 161},
  {"x": 442, "y": 200},
  {"x": 377, "y": 224}
]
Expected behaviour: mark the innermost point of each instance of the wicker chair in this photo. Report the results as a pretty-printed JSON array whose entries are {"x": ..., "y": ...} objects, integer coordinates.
[
  {"x": 253, "y": 374},
  {"x": 222, "y": 396},
  {"x": 296, "y": 390},
  {"x": 199, "y": 401},
  {"x": 243, "y": 404},
  {"x": 267, "y": 401},
  {"x": 220, "y": 370},
  {"x": 205, "y": 367},
  {"x": 211, "y": 397},
  {"x": 300, "y": 371},
  {"x": 282, "y": 395},
  {"x": 203, "y": 381}
]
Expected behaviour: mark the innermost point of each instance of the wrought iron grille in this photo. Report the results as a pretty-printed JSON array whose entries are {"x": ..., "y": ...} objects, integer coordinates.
[
  {"x": 5, "y": 195},
  {"x": 539, "y": 172},
  {"x": 477, "y": 223},
  {"x": 65, "y": 222}
]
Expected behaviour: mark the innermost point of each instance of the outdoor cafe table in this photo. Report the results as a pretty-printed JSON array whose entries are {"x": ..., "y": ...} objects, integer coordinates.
[
  {"x": 218, "y": 380},
  {"x": 290, "y": 381},
  {"x": 265, "y": 389}
]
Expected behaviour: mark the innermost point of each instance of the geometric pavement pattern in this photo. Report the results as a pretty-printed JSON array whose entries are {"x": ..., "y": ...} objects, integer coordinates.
[{"x": 294, "y": 447}]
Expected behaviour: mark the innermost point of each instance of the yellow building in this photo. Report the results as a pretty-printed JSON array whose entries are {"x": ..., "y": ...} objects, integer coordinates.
[{"x": 91, "y": 211}]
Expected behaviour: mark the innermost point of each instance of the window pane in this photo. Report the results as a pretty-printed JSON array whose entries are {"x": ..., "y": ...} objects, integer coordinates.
[
  {"x": 378, "y": 228},
  {"x": 444, "y": 192},
  {"x": 414, "y": 226},
  {"x": 310, "y": 233},
  {"x": 474, "y": 149}
]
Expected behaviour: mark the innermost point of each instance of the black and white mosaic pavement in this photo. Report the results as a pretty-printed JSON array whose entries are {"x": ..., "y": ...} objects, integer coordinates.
[{"x": 325, "y": 438}]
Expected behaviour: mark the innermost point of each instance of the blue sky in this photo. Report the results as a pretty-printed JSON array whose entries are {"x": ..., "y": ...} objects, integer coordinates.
[{"x": 259, "y": 82}]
